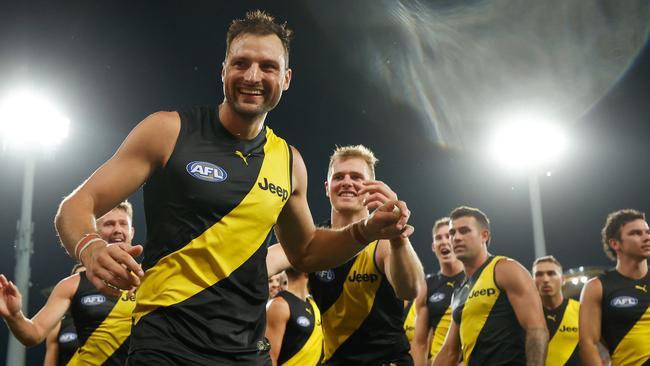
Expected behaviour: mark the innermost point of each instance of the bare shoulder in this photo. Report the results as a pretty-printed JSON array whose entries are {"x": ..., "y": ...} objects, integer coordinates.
[
  {"x": 508, "y": 272},
  {"x": 592, "y": 291},
  {"x": 67, "y": 287},
  {"x": 298, "y": 172},
  {"x": 278, "y": 309}
]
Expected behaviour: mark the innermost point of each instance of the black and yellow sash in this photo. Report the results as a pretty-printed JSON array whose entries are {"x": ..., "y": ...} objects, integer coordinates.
[{"x": 565, "y": 339}]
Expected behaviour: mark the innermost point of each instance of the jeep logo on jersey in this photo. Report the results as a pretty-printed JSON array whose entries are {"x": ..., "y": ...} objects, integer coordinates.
[
  {"x": 568, "y": 329},
  {"x": 274, "y": 189},
  {"x": 624, "y": 302},
  {"x": 92, "y": 300},
  {"x": 482, "y": 292},
  {"x": 437, "y": 297},
  {"x": 365, "y": 277},
  {"x": 67, "y": 337},
  {"x": 325, "y": 276},
  {"x": 206, "y": 171},
  {"x": 303, "y": 321}
]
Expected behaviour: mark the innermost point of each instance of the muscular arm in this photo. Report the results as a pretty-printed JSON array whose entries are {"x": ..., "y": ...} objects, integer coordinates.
[
  {"x": 449, "y": 354},
  {"x": 33, "y": 331},
  {"x": 147, "y": 147},
  {"x": 52, "y": 347},
  {"x": 310, "y": 249},
  {"x": 422, "y": 333},
  {"x": 277, "y": 317},
  {"x": 590, "y": 322},
  {"x": 276, "y": 260},
  {"x": 524, "y": 298},
  {"x": 401, "y": 266}
]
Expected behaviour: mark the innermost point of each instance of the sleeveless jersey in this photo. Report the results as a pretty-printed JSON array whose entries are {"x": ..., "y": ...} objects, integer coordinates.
[
  {"x": 626, "y": 318},
  {"x": 562, "y": 324},
  {"x": 67, "y": 341},
  {"x": 409, "y": 320},
  {"x": 302, "y": 344},
  {"x": 440, "y": 289},
  {"x": 362, "y": 316},
  {"x": 489, "y": 331},
  {"x": 103, "y": 325},
  {"x": 209, "y": 215}
]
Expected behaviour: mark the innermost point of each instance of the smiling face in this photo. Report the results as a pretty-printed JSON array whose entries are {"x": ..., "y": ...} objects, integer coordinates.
[
  {"x": 254, "y": 74},
  {"x": 344, "y": 183},
  {"x": 115, "y": 227}
]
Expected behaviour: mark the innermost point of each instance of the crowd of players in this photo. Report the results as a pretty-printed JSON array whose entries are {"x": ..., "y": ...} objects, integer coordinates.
[{"x": 355, "y": 288}]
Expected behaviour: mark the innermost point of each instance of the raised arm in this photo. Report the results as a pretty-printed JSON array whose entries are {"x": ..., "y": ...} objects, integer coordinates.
[
  {"x": 422, "y": 333},
  {"x": 33, "y": 331},
  {"x": 147, "y": 147},
  {"x": 277, "y": 317},
  {"x": 310, "y": 249},
  {"x": 515, "y": 280},
  {"x": 590, "y": 322},
  {"x": 449, "y": 354}
]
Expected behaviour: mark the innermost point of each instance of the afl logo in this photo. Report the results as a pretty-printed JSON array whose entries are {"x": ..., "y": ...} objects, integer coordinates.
[
  {"x": 206, "y": 171},
  {"x": 93, "y": 300},
  {"x": 303, "y": 321},
  {"x": 67, "y": 337},
  {"x": 624, "y": 302},
  {"x": 437, "y": 297},
  {"x": 325, "y": 276}
]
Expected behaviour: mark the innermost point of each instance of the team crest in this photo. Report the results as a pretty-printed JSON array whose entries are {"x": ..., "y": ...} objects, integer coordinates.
[
  {"x": 437, "y": 297},
  {"x": 303, "y": 321}
]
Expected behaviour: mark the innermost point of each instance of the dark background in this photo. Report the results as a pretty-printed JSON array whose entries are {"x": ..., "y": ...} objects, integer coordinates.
[{"x": 109, "y": 65}]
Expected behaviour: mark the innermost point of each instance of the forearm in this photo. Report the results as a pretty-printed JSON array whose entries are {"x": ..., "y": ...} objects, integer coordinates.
[
  {"x": 589, "y": 353},
  {"x": 536, "y": 343},
  {"x": 405, "y": 269},
  {"x": 24, "y": 330},
  {"x": 74, "y": 219},
  {"x": 419, "y": 353},
  {"x": 327, "y": 248}
]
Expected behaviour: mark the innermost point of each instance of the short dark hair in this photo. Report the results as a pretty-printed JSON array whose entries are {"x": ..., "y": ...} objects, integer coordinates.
[
  {"x": 549, "y": 259},
  {"x": 292, "y": 273},
  {"x": 613, "y": 225},
  {"x": 480, "y": 216},
  {"x": 440, "y": 222},
  {"x": 261, "y": 23}
]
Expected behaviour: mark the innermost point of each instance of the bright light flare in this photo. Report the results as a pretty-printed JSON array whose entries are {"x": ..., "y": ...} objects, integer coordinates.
[
  {"x": 29, "y": 120},
  {"x": 528, "y": 142}
]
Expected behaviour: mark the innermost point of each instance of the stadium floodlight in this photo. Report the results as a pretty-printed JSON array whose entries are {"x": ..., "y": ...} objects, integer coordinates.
[
  {"x": 527, "y": 141},
  {"x": 28, "y": 123}
]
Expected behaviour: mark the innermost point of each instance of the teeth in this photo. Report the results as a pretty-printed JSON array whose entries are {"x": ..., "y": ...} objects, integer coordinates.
[{"x": 251, "y": 91}]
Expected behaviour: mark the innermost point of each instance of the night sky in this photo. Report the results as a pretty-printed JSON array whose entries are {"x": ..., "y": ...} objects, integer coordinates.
[{"x": 109, "y": 65}]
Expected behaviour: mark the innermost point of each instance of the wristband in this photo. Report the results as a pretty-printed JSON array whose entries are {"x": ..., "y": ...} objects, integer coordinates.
[
  {"x": 82, "y": 243},
  {"x": 91, "y": 241}
]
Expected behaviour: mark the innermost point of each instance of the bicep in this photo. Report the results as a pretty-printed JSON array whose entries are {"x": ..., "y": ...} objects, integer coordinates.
[
  {"x": 295, "y": 225},
  {"x": 144, "y": 149},
  {"x": 57, "y": 303},
  {"x": 590, "y": 312},
  {"x": 421, "y": 333},
  {"x": 522, "y": 294},
  {"x": 276, "y": 260},
  {"x": 276, "y": 322}
]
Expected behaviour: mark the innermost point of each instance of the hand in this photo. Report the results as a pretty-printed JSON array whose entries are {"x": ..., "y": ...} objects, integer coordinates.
[
  {"x": 378, "y": 192},
  {"x": 387, "y": 223},
  {"x": 111, "y": 267},
  {"x": 11, "y": 301}
]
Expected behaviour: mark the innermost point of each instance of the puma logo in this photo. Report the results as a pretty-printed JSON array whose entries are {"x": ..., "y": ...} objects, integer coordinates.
[
  {"x": 309, "y": 311},
  {"x": 450, "y": 284},
  {"x": 242, "y": 156},
  {"x": 552, "y": 317},
  {"x": 643, "y": 288}
]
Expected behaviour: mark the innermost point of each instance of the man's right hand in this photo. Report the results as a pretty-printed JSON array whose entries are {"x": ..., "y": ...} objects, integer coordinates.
[
  {"x": 11, "y": 301},
  {"x": 111, "y": 267}
]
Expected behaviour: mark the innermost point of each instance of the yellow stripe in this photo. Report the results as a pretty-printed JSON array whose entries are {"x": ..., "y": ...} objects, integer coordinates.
[
  {"x": 563, "y": 343},
  {"x": 440, "y": 333},
  {"x": 477, "y": 309},
  {"x": 633, "y": 348},
  {"x": 222, "y": 248},
  {"x": 310, "y": 353},
  {"x": 108, "y": 337},
  {"x": 409, "y": 322},
  {"x": 353, "y": 306}
]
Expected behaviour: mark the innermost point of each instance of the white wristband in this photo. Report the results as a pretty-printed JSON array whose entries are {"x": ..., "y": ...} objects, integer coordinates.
[{"x": 87, "y": 245}]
